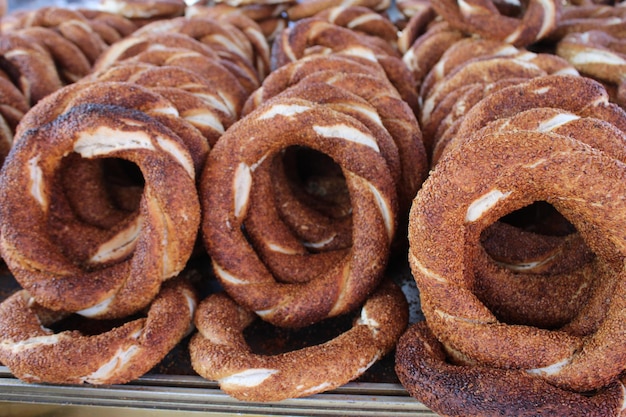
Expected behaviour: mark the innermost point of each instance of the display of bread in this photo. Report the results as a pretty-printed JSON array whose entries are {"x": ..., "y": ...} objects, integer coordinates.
[{"x": 297, "y": 151}]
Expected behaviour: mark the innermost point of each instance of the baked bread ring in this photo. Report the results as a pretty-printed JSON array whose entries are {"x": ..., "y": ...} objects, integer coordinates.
[
  {"x": 453, "y": 108},
  {"x": 252, "y": 31},
  {"x": 135, "y": 44},
  {"x": 318, "y": 224},
  {"x": 30, "y": 65},
  {"x": 122, "y": 94},
  {"x": 310, "y": 36},
  {"x": 539, "y": 166},
  {"x": 423, "y": 368},
  {"x": 292, "y": 73},
  {"x": 225, "y": 195},
  {"x": 122, "y": 25},
  {"x": 483, "y": 71},
  {"x": 352, "y": 75},
  {"x": 608, "y": 18},
  {"x": 205, "y": 67},
  {"x": 598, "y": 55},
  {"x": 588, "y": 98},
  {"x": 220, "y": 352},
  {"x": 257, "y": 11},
  {"x": 72, "y": 64},
  {"x": 141, "y": 9},
  {"x": 421, "y": 16},
  {"x": 424, "y": 53},
  {"x": 225, "y": 39},
  {"x": 533, "y": 22},
  {"x": 363, "y": 20},
  {"x": 35, "y": 353},
  {"x": 309, "y": 8},
  {"x": 162, "y": 239}
]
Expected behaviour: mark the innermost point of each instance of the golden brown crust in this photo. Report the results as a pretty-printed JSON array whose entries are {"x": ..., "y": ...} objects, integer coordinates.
[
  {"x": 308, "y": 8},
  {"x": 590, "y": 99},
  {"x": 30, "y": 65},
  {"x": 463, "y": 322},
  {"x": 34, "y": 353},
  {"x": 361, "y": 19},
  {"x": 425, "y": 371},
  {"x": 220, "y": 352},
  {"x": 169, "y": 213},
  {"x": 532, "y": 23},
  {"x": 225, "y": 195},
  {"x": 311, "y": 35},
  {"x": 142, "y": 9}
]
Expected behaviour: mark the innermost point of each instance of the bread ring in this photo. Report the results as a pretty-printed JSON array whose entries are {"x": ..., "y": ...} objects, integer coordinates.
[
  {"x": 225, "y": 200},
  {"x": 72, "y": 64},
  {"x": 464, "y": 51},
  {"x": 596, "y": 54},
  {"x": 201, "y": 65},
  {"x": 422, "y": 17},
  {"x": 361, "y": 19},
  {"x": 518, "y": 310},
  {"x": 564, "y": 360},
  {"x": 481, "y": 71},
  {"x": 590, "y": 99},
  {"x": 309, "y": 8},
  {"x": 290, "y": 74},
  {"x": 134, "y": 45},
  {"x": 220, "y": 352},
  {"x": 334, "y": 233},
  {"x": 122, "y": 94},
  {"x": 211, "y": 92},
  {"x": 143, "y": 9},
  {"x": 252, "y": 31},
  {"x": 257, "y": 11},
  {"x": 30, "y": 66},
  {"x": 35, "y": 353},
  {"x": 226, "y": 40},
  {"x": 123, "y": 26},
  {"x": 150, "y": 76},
  {"x": 582, "y": 19},
  {"x": 162, "y": 240},
  {"x": 483, "y": 18},
  {"x": 308, "y": 34},
  {"x": 423, "y": 369},
  {"x": 453, "y": 108}
]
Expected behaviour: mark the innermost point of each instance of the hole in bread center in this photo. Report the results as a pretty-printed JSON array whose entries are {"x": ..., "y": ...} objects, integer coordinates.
[
  {"x": 532, "y": 261},
  {"x": 94, "y": 211},
  {"x": 316, "y": 179}
]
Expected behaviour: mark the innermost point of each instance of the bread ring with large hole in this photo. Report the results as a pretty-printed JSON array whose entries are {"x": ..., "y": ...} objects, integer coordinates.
[
  {"x": 501, "y": 173},
  {"x": 157, "y": 248},
  {"x": 225, "y": 190},
  {"x": 35, "y": 353},
  {"x": 220, "y": 352},
  {"x": 333, "y": 232}
]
